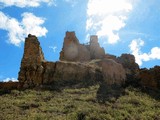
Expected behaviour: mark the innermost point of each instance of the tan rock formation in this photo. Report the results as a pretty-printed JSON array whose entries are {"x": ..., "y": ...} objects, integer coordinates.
[
  {"x": 76, "y": 72},
  {"x": 114, "y": 77},
  {"x": 113, "y": 72},
  {"x": 128, "y": 62}
]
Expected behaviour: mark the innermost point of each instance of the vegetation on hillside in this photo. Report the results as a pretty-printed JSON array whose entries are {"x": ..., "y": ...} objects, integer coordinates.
[{"x": 77, "y": 104}]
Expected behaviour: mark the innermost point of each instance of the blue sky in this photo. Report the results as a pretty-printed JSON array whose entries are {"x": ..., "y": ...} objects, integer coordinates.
[{"x": 123, "y": 26}]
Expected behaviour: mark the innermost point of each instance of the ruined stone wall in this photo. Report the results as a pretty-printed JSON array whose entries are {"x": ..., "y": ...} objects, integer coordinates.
[
  {"x": 81, "y": 64},
  {"x": 74, "y": 51},
  {"x": 31, "y": 69},
  {"x": 35, "y": 71}
]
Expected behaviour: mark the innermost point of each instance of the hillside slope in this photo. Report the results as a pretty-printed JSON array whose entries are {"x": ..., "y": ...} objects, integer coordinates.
[{"x": 77, "y": 104}]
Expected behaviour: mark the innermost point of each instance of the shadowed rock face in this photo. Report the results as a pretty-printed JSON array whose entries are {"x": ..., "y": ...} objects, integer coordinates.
[
  {"x": 131, "y": 68},
  {"x": 9, "y": 85},
  {"x": 150, "y": 78},
  {"x": 128, "y": 62}
]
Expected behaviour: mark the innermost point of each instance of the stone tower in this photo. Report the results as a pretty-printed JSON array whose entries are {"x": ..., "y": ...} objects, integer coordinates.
[
  {"x": 70, "y": 47},
  {"x": 74, "y": 51},
  {"x": 93, "y": 39},
  {"x": 96, "y": 51},
  {"x": 31, "y": 65},
  {"x": 32, "y": 51}
]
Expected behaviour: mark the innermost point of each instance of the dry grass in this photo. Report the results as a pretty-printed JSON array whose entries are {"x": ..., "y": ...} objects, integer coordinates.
[{"x": 77, "y": 104}]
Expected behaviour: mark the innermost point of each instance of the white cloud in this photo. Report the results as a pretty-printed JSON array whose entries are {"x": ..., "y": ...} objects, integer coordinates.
[
  {"x": 135, "y": 47},
  {"x": 25, "y": 3},
  {"x": 10, "y": 79},
  {"x": 107, "y": 17},
  {"x": 17, "y": 31},
  {"x": 53, "y": 48},
  {"x": 32, "y": 24}
]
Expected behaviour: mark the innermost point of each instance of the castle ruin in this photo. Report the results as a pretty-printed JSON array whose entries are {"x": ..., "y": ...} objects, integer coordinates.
[{"x": 74, "y": 51}]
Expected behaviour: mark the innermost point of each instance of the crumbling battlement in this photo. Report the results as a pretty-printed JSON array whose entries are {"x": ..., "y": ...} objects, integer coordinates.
[
  {"x": 74, "y": 51},
  {"x": 79, "y": 63},
  {"x": 35, "y": 71}
]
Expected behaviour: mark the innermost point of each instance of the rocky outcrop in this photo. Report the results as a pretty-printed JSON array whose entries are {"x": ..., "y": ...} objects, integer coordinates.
[
  {"x": 62, "y": 73},
  {"x": 72, "y": 73},
  {"x": 114, "y": 77},
  {"x": 150, "y": 78},
  {"x": 6, "y": 87},
  {"x": 131, "y": 68},
  {"x": 113, "y": 72},
  {"x": 9, "y": 85},
  {"x": 74, "y": 51}
]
